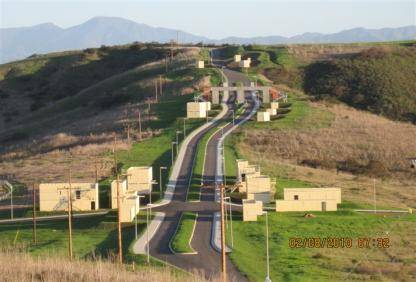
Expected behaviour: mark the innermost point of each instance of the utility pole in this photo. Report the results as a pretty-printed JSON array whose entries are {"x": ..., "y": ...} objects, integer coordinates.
[
  {"x": 223, "y": 258},
  {"x": 139, "y": 125},
  {"x": 156, "y": 90},
  {"x": 34, "y": 214},
  {"x": 184, "y": 128},
  {"x": 375, "y": 195},
  {"x": 96, "y": 169},
  {"x": 128, "y": 135},
  {"x": 70, "y": 215},
  {"x": 160, "y": 86},
  {"x": 120, "y": 250}
]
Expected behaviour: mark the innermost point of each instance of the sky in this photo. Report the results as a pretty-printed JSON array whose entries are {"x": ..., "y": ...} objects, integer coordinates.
[{"x": 218, "y": 19}]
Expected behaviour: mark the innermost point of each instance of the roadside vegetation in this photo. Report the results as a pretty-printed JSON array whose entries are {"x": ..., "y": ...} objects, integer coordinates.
[
  {"x": 19, "y": 266},
  {"x": 181, "y": 242}
]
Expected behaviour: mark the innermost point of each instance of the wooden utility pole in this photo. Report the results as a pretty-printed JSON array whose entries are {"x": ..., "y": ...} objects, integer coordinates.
[
  {"x": 34, "y": 214},
  {"x": 139, "y": 125},
  {"x": 96, "y": 169},
  {"x": 160, "y": 87},
  {"x": 70, "y": 216},
  {"x": 120, "y": 250},
  {"x": 156, "y": 89},
  {"x": 223, "y": 258}
]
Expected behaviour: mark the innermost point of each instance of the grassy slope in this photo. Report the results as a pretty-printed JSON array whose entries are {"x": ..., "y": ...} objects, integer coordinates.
[
  {"x": 182, "y": 239},
  {"x": 95, "y": 235},
  {"x": 321, "y": 264}
]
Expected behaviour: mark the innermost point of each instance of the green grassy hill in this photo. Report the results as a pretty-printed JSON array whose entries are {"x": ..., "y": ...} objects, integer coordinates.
[
  {"x": 377, "y": 80},
  {"x": 53, "y": 93}
]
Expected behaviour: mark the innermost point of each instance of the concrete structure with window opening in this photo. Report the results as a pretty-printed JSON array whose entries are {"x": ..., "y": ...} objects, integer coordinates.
[
  {"x": 54, "y": 196},
  {"x": 309, "y": 199}
]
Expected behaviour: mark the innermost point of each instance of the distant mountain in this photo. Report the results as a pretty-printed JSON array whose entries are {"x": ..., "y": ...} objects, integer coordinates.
[{"x": 18, "y": 43}]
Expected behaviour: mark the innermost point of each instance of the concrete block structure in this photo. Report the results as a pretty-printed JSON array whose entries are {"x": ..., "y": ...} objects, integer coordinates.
[
  {"x": 272, "y": 112},
  {"x": 54, "y": 196},
  {"x": 122, "y": 186},
  {"x": 258, "y": 187},
  {"x": 139, "y": 179},
  {"x": 245, "y": 63},
  {"x": 215, "y": 98},
  {"x": 263, "y": 116},
  {"x": 244, "y": 168},
  {"x": 274, "y": 105},
  {"x": 237, "y": 58},
  {"x": 196, "y": 109},
  {"x": 207, "y": 105},
  {"x": 252, "y": 209},
  {"x": 309, "y": 199},
  {"x": 130, "y": 206},
  {"x": 200, "y": 64},
  {"x": 266, "y": 96},
  {"x": 240, "y": 96}
]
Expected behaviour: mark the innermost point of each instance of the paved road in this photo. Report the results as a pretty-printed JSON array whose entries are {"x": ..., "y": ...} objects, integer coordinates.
[{"x": 207, "y": 261}]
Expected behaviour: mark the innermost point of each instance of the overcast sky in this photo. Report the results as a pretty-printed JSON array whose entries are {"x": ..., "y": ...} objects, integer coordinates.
[{"x": 217, "y": 19}]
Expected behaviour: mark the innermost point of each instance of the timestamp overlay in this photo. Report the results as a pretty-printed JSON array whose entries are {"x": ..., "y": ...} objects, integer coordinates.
[{"x": 339, "y": 242}]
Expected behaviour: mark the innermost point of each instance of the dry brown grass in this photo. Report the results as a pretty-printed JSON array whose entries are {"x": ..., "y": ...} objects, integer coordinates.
[
  {"x": 355, "y": 148},
  {"x": 23, "y": 267}
]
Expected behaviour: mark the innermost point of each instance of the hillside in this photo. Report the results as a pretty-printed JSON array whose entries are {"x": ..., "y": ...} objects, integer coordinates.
[
  {"x": 72, "y": 102},
  {"x": 381, "y": 81}
]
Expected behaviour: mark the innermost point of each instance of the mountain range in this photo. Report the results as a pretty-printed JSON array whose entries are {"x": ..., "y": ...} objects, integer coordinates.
[{"x": 21, "y": 42}]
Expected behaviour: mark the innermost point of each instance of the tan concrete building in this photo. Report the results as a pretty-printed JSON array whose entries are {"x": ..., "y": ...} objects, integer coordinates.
[
  {"x": 54, "y": 196},
  {"x": 274, "y": 105},
  {"x": 244, "y": 168},
  {"x": 258, "y": 188},
  {"x": 263, "y": 116},
  {"x": 200, "y": 64},
  {"x": 129, "y": 200},
  {"x": 272, "y": 112},
  {"x": 237, "y": 58},
  {"x": 252, "y": 209},
  {"x": 139, "y": 179},
  {"x": 196, "y": 109},
  {"x": 309, "y": 199},
  {"x": 245, "y": 63}
]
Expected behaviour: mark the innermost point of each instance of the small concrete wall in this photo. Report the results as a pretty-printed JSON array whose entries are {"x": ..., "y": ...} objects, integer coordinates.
[
  {"x": 245, "y": 63},
  {"x": 274, "y": 105},
  {"x": 240, "y": 96},
  {"x": 215, "y": 97},
  {"x": 139, "y": 179},
  {"x": 320, "y": 194},
  {"x": 305, "y": 205},
  {"x": 272, "y": 112},
  {"x": 122, "y": 189},
  {"x": 237, "y": 58},
  {"x": 263, "y": 197},
  {"x": 54, "y": 196},
  {"x": 129, "y": 207},
  {"x": 200, "y": 64},
  {"x": 263, "y": 116},
  {"x": 196, "y": 109},
  {"x": 251, "y": 209},
  {"x": 266, "y": 96}
]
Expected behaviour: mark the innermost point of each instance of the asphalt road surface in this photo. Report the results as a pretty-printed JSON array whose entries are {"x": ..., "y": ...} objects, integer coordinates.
[{"x": 207, "y": 261}]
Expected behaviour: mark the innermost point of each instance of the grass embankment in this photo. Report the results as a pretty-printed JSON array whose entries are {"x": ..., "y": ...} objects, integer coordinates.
[
  {"x": 181, "y": 242},
  {"x": 325, "y": 264},
  {"x": 96, "y": 235}
]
